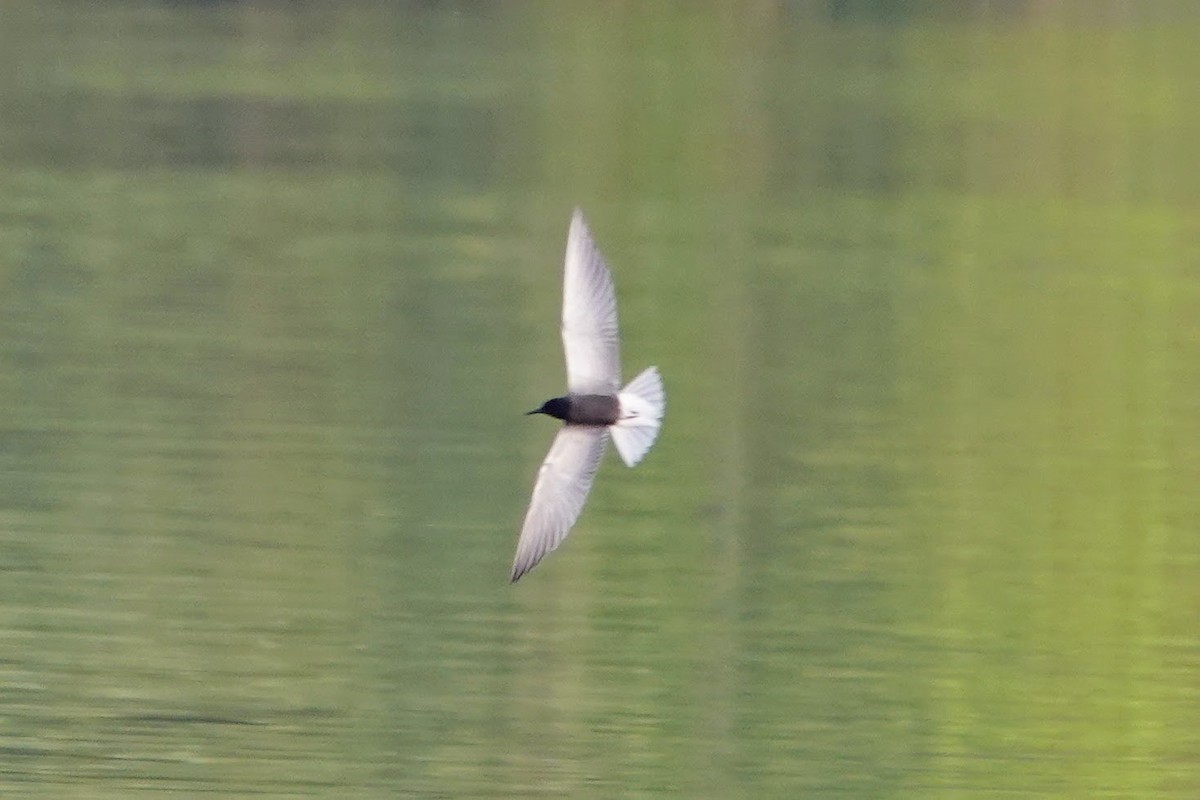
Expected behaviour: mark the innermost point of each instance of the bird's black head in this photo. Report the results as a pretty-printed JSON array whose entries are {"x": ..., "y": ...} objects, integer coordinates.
[{"x": 556, "y": 407}]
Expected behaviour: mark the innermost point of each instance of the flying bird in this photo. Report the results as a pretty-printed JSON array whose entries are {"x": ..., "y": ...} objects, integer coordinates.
[{"x": 594, "y": 407}]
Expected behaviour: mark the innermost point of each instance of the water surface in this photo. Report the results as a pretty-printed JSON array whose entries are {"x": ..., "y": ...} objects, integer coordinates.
[{"x": 278, "y": 282}]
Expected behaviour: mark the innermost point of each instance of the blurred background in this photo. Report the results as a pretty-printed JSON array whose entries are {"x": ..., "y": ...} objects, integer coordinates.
[{"x": 278, "y": 279}]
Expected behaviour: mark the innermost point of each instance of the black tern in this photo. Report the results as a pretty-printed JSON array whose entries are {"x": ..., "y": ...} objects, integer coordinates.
[{"x": 594, "y": 407}]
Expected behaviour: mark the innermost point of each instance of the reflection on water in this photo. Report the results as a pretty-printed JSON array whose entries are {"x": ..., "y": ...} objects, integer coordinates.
[{"x": 278, "y": 282}]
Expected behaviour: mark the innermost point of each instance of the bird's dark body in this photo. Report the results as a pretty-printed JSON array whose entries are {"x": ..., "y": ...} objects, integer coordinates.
[{"x": 583, "y": 409}]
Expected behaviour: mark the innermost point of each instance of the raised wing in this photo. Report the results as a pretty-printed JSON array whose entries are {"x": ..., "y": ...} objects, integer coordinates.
[
  {"x": 589, "y": 323},
  {"x": 562, "y": 487}
]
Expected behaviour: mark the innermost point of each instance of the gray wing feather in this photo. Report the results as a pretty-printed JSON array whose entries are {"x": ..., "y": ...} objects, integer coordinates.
[
  {"x": 589, "y": 322},
  {"x": 562, "y": 487}
]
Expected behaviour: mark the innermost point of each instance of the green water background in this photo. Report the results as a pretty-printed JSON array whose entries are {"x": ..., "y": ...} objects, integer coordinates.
[{"x": 278, "y": 280}]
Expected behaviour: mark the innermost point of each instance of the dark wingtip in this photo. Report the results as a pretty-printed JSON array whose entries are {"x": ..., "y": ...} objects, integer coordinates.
[{"x": 521, "y": 568}]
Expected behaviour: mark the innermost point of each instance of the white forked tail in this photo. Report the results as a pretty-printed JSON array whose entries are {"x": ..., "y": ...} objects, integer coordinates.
[{"x": 642, "y": 404}]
